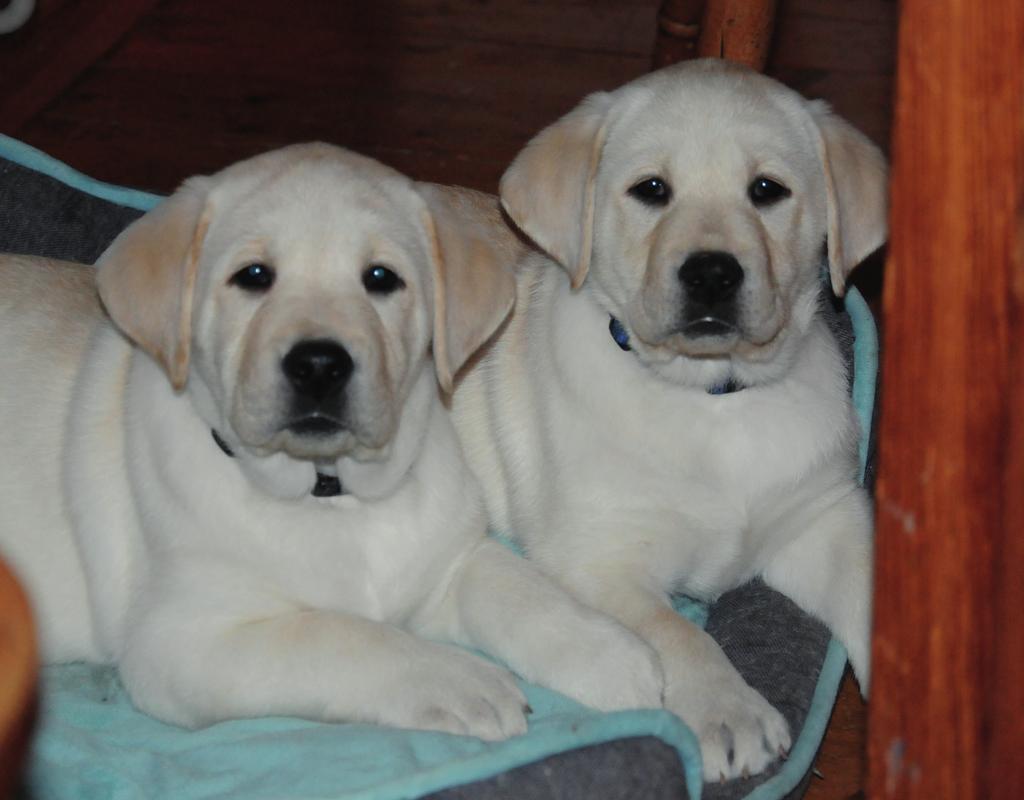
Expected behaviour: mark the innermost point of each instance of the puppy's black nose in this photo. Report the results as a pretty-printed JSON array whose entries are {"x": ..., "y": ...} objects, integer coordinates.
[
  {"x": 711, "y": 277},
  {"x": 317, "y": 368}
]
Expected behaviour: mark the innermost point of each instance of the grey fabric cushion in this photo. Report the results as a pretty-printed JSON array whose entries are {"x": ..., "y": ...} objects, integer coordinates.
[
  {"x": 776, "y": 647},
  {"x": 643, "y": 768},
  {"x": 41, "y": 216}
]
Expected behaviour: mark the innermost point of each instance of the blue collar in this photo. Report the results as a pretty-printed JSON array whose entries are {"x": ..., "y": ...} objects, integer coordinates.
[
  {"x": 619, "y": 334},
  {"x": 621, "y": 338},
  {"x": 326, "y": 485}
]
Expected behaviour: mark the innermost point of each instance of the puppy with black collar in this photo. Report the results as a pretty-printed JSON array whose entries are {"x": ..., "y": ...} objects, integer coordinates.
[
  {"x": 667, "y": 412},
  {"x": 243, "y": 487}
]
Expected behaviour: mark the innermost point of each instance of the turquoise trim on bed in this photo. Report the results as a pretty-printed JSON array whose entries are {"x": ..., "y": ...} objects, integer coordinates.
[
  {"x": 557, "y": 726},
  {"x": 28, "y": 156}
]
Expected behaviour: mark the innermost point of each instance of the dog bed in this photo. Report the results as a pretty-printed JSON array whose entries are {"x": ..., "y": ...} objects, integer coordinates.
[{"x": 90, "y": 743}]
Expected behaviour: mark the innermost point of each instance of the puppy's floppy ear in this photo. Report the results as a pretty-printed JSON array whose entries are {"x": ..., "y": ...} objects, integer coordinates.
[
  {"x": 473, "y": 253},
  {"x": 548, "y": 190},
  {"x": 856, "y": 182},
  {"x": 147, "y": 276}
]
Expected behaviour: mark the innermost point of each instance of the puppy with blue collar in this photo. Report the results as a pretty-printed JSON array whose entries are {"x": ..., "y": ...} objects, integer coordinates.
[
  {"x": 666, "y": 411},
  {"x": 237, "y": 480}
]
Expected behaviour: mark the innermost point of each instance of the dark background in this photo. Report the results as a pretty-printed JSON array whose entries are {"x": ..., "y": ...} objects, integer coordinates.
[{"x": 144, "y": 92}]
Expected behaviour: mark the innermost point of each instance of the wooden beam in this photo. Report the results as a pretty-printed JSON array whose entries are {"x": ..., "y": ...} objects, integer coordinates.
[
  {"x": 17, "y": 679},
  {"x": 948, "y": 686},
  {"x": 678, "y": 31},
  {"x": 739, "y": 30}
]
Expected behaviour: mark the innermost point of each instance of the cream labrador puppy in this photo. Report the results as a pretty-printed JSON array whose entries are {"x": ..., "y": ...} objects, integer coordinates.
[
  {"x": 249, "y": 494},
  {"x": 669, "y": 412}
]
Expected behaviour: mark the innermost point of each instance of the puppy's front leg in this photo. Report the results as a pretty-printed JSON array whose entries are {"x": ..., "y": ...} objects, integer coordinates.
[
  {"x": 827, "y": 571},
  {"x": 739, "y": 731},
  {"x": 502, "y": 604},
  {"x": 318, "y": 665}
]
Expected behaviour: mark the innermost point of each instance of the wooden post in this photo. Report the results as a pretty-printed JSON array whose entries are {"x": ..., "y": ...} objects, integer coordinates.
[
  {"x": 947, "y": 702},
  {"x": 739, "y": 30},
  {"x": 678, "y": 31},
  {"x": 17, "y": 679}
]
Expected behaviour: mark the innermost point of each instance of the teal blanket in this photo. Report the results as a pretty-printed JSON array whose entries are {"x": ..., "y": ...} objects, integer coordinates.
[{"x": 94, "y": 746}]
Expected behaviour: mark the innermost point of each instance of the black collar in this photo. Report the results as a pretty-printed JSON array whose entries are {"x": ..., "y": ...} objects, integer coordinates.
[
  {"x": 621, "y": 337},
  {"x": 326, "y": 485},
  {"x": 728, "y": 387}
]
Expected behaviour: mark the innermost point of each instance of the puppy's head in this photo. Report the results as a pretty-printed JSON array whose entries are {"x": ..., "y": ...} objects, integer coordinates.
[
  {"x": 698, "y": 203},
  {"x": 301, "y": 291}
]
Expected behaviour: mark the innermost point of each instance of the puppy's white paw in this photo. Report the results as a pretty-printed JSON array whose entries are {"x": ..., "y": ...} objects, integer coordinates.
[
  {"x": 456, "y": 692},
  {"x": 740, "y": 733},
  {"x": 608, "y": 667}
]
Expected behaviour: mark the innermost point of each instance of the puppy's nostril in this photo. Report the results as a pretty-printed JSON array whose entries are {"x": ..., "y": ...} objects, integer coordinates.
[
  {"x": 317, "y": 368},
  {"x": 711, "y": 276}
]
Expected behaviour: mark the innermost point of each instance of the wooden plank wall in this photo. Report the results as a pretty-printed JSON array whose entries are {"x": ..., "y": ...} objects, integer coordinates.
[
  {"x": 447, "y": 91},
  {"x": 948, "y": 691}
]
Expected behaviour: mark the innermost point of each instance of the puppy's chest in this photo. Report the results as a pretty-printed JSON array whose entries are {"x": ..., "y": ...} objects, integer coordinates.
[
  {"x": 751, "y": 446},
  {"x": 367, "y": 559},
  {"x": 737, "y": 447}
]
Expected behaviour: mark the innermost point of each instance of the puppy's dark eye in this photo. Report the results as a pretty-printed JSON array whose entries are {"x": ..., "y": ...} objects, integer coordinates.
[
  {"x": 379, "y": 279},
  {"x": 652, "y": 192},
  {"x": 254, "y": 278},
  {"x": 765, "y": 192}
]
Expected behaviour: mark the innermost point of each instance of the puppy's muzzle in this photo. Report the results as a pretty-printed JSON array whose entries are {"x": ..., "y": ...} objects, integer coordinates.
[
  {"x": 711, "y": 280},
  {"x": 318, "y": 370}
]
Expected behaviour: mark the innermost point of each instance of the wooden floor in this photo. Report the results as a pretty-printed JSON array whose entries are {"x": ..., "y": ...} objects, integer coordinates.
[{"x": 147, "y": 92}]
